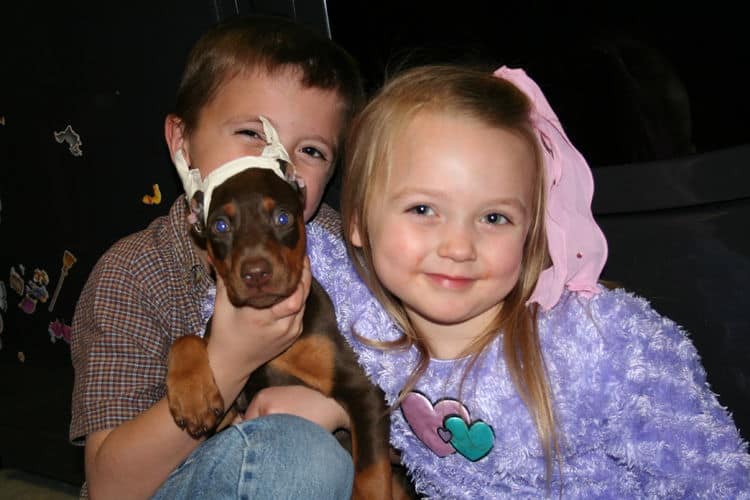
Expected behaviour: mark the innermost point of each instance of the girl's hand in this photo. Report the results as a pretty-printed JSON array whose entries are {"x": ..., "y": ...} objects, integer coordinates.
[
  {"x": 244, "y": 338},
  {"x": 301, "y": 401}
]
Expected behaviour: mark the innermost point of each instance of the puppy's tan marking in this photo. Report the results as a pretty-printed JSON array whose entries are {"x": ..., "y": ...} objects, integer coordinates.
[
  {"x": 230, "y": 209},
  {"x": 310, "y": 359},
  {"x": 269, "y": 204}
]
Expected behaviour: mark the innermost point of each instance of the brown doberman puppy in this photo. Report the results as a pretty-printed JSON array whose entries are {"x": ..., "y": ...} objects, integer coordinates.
[{"x": 254, "y": 236}]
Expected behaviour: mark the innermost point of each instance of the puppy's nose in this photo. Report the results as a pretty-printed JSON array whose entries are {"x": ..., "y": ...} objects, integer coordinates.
[{"x": 256, "y": 272}]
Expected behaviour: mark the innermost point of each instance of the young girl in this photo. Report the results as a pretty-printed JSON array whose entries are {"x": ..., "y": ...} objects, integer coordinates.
[{"x": 511, "y": 371}]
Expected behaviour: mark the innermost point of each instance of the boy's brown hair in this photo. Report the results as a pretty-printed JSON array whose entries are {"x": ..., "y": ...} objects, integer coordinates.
[{"x": 269, "y": 44}]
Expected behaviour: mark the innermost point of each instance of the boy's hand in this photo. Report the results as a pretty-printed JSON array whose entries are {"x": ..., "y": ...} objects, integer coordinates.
[
  {"x": 301, "y": 401},
  {"x": 243, "y": 338}
]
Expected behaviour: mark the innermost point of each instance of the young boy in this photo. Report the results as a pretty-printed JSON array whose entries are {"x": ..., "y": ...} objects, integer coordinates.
[{"x": 151, "y": 287}]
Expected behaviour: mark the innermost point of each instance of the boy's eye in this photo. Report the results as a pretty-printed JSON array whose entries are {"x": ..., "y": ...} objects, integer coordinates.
[
  {"x": 421, "y": 210},
  {"x": 314, "y": 152},
  {"x": 495, "y": 218},
  {"x": 221, "y": 226},
  {"x": 251, "y": 133}
]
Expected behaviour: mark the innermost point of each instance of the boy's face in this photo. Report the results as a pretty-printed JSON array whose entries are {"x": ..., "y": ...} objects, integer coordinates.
[{"x": 308, "y": 121}]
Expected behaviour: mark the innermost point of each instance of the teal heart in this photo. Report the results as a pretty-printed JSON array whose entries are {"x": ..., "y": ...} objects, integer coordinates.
[{"x": 474, "y": 441}]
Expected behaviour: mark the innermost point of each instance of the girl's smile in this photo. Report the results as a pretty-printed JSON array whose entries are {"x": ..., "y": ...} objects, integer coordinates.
[
  {"x": 450, "y": 282},
  {"x": 448, "y": 231}
]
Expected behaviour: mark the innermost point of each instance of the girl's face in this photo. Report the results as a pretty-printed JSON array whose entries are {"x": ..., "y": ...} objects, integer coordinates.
[
  {"x": 307, "y": 120},
  {"x": 448, "y": 230}
]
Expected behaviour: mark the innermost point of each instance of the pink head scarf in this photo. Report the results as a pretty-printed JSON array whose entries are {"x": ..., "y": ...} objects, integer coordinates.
[{"x": 576, "y": 243}]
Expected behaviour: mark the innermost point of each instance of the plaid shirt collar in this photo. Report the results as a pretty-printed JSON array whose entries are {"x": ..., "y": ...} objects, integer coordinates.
[{"x": 194, "y": 267}]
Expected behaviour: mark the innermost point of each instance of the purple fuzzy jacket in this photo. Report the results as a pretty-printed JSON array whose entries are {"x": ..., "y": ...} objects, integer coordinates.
[{"x": 634, "y": 412}]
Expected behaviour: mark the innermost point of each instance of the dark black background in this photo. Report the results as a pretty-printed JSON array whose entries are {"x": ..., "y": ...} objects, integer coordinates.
[
  {"x": 563, "y": 46},
  {"x": 674, "y": 210}
]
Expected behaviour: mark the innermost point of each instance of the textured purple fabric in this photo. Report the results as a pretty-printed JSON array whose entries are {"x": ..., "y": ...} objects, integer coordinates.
[{"x": 636, "y": 417}]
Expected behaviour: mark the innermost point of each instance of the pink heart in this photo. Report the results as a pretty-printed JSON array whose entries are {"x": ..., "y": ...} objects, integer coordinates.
[{"x": 426, "y": 420}]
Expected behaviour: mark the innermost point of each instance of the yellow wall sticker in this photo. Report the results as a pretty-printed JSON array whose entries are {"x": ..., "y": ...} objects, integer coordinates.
[{"x": 154, "y": 199}]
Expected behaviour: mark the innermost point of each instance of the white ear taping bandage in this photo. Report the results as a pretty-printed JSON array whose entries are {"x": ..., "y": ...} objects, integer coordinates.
[{"x": 269, "y": 159}]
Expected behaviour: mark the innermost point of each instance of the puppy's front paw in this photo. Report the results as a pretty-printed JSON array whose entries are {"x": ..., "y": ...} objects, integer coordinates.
[{"x": 194, "y": 399}]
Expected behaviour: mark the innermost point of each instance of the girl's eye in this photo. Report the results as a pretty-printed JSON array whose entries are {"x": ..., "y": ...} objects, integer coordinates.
[
  {"x": 314, "y": 152},
  {"x": 221, "y": 226},
  {"x": 283, "y": 218},
  {"x": 496, "y": 218},
  {"x": 421, "y": 210}
]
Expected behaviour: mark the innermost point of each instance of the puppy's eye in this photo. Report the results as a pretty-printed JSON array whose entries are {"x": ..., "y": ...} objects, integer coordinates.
[
  {"x": 221, "y": 226},
  {"x": 283, "y": 218}
]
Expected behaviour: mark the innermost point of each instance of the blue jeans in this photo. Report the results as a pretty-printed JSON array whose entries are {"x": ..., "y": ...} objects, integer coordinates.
[{"x": 272, "y": 457}]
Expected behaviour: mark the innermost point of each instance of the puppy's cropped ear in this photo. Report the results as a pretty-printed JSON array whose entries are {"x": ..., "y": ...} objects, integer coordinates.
[
  {"x": 195, "y": 218},
  {"x": 286, "y": 169},
  {"x": 297, "y": 182},
  {"x": 301, "y": 189}
]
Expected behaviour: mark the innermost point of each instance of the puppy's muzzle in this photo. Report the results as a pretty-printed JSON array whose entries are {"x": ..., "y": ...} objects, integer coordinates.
[{"x": 256, "y": 272}]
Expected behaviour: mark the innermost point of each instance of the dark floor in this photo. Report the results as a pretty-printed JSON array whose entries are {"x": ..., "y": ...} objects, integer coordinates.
[{"x": 19, "y": 485}]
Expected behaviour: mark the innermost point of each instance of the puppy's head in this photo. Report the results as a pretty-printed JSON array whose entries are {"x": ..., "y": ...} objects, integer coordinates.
[{"x": 255, "y": 237}]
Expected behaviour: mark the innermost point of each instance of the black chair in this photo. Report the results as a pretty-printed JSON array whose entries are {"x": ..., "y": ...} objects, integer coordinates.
[{"x": 678, "y": 235}]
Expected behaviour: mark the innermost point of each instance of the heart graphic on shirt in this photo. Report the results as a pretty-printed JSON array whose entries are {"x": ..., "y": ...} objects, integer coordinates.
[
  {"x": 427, "y": 420},
  {"x": 444, "y": 434},
  {"x": 472, "y": 441}
]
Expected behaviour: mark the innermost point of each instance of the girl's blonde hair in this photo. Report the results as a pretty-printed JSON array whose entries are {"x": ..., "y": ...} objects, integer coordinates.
[{"x": 476, "y": 94}]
